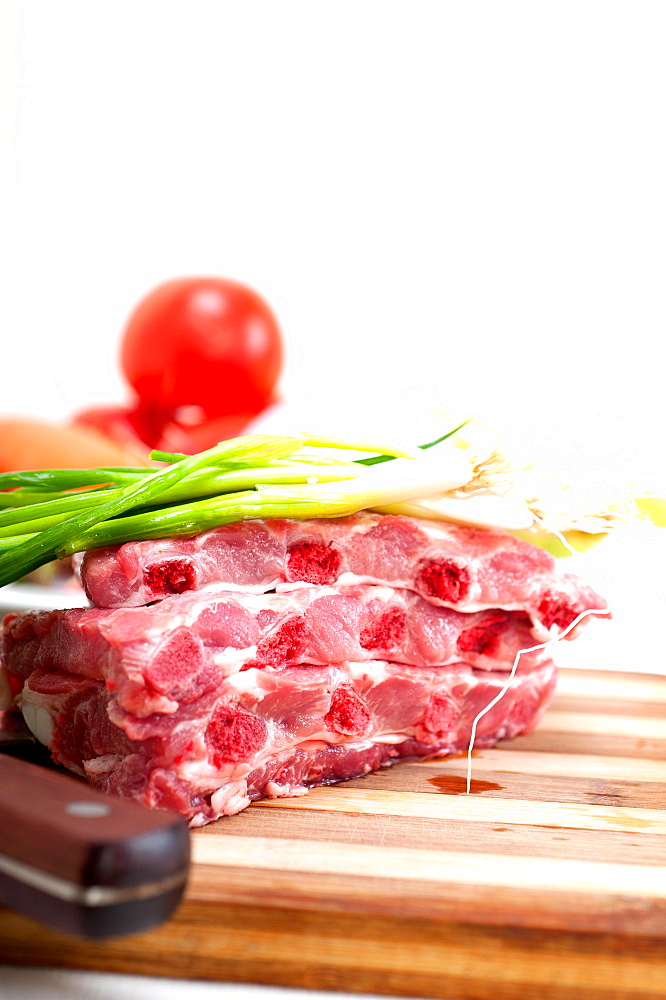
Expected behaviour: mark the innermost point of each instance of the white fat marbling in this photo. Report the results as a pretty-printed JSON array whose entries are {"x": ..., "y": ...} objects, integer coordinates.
[{"x": 39, "y": 722}]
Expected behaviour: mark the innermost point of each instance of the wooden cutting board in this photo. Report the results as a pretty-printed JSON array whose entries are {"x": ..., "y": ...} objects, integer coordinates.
[{"x": 549, "y": 881}]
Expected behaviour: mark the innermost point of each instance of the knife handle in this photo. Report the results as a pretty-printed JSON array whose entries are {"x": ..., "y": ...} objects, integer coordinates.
[{"x": 87, "y": 863}]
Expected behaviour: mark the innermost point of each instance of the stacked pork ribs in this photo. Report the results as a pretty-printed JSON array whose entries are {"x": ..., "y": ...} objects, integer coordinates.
[{"x": 260, "y": 658}]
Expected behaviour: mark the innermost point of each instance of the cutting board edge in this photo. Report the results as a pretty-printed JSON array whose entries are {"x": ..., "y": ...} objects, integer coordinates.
[{"x": 394, "y": 956}]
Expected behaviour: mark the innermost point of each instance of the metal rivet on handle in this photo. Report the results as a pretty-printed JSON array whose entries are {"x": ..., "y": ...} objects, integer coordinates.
[{"x": 87, "y": 809}]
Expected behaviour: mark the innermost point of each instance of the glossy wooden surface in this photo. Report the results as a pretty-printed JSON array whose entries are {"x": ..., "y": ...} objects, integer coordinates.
[{"x": 549, "y": 881}]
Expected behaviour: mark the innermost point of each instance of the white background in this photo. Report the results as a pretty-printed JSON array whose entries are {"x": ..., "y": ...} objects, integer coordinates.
[{"x": 468, "y": 196}]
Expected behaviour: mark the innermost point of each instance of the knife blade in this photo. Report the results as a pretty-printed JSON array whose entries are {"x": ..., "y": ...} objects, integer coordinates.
[{"x": 72, "y": 858}]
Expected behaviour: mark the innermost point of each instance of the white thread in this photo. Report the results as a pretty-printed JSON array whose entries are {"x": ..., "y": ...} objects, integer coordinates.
[{"x": 512, "y": 674}]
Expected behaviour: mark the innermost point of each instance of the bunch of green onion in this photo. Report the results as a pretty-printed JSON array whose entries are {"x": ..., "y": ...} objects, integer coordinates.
[{"x": 53, "y": 513}]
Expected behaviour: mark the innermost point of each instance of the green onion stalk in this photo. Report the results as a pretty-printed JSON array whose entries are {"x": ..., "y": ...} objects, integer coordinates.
[{"x": 54, "y": 513}]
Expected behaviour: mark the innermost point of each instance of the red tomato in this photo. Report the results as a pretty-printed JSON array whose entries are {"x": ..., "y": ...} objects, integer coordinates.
[
  {"x": 207, "y": 342},
  {"x": 178, "y": 437},
  {"x": 125, "y": 424}
]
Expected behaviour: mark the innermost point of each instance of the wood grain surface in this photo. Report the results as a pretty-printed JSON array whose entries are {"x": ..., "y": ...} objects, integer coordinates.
[{"x": 549, "y": 881}]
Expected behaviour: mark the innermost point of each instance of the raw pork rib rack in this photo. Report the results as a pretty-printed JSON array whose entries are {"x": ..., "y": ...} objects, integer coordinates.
[{"x": 264, "y": 657}]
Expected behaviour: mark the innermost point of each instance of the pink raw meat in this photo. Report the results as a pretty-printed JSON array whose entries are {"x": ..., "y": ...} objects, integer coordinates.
[
  {"x": 192, "y": 688},
  {"x": 275, "y": 731},
  {"x": 467, "y": 569},
  {"x": 158, "y": 656}
]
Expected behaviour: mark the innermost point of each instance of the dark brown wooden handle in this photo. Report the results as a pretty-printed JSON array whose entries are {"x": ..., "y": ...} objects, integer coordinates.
[{"x": 82, "y": 861}]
